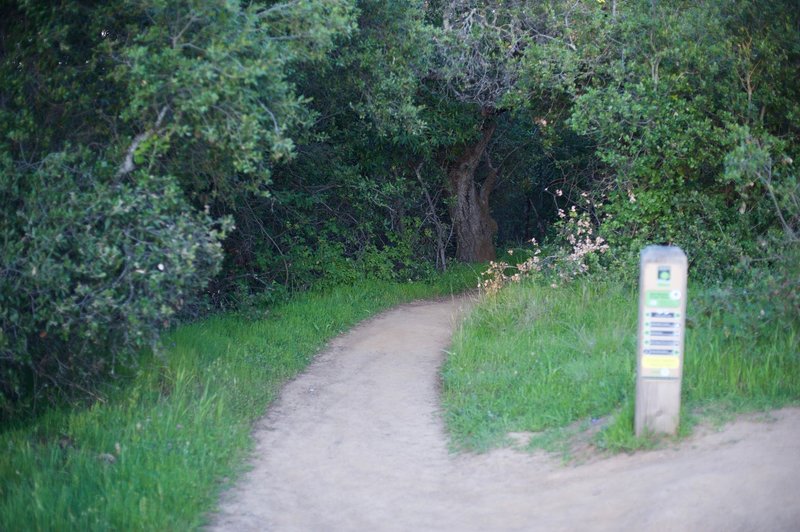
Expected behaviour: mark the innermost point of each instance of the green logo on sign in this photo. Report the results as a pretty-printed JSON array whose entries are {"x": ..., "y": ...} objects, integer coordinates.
[{"x": 664, "y": 275}]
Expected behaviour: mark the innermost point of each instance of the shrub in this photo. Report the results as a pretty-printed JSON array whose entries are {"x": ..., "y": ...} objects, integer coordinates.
[
  {"x": 574, "y": 253},
  {"x": 764, "y": 176},
  {"x": 92, "y": 269}
]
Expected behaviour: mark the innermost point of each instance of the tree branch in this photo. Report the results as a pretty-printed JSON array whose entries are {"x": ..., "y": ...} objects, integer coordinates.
[{"x": 128, "y": 165}]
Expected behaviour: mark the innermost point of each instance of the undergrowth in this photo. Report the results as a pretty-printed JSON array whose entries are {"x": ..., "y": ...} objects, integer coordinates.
[{"x": 155, "y": 454}]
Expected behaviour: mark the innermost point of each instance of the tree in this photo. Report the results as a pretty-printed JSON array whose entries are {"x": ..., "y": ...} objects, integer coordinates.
[
  {"x": 125, "y": 126},
  {"x": 349, "y": 203},
  {"x": 668, "y": 92},
  {"x": 482, "y": 50},
  {"x": 476, "y": 66}
]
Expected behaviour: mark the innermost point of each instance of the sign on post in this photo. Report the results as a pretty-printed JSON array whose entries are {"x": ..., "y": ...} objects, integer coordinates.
[{"x": 662, "y": 321}]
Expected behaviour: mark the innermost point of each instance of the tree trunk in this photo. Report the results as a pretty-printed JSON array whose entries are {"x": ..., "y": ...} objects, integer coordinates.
[{"x": 474, "y": 226}]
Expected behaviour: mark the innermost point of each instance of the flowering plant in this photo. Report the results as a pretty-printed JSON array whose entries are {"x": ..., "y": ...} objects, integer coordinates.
[{"x": 578, "y": 246}]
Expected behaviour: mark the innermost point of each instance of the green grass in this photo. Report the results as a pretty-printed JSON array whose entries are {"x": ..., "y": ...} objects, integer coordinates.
[
  {"x": 541, "y": 359},
  {"x": 156, "y": 455}
]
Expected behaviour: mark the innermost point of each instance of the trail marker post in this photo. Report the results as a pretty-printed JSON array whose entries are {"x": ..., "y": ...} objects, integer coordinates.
[{"x": 662, "y": 324}]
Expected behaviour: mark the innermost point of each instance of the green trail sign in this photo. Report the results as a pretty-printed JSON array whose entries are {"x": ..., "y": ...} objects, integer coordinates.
[{"x": 662, "y": 322}]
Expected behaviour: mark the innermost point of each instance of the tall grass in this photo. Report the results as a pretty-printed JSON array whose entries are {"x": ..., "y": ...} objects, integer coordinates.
[
  {"x": 155, "y": 455},
  {"x": 536, "y": 358}
]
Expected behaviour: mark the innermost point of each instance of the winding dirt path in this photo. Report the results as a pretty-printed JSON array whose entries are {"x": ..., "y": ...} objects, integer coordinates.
[{"x": 357, "y": 443}]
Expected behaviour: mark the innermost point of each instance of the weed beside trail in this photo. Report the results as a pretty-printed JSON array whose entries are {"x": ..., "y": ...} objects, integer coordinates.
[
  {"x": 156, "y": 453},
  {"x": 538, "y": 359}
]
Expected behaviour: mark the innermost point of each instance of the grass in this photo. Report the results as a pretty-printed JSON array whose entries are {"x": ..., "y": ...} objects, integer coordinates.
[
  {"x": 539, "y": 359},
  {"x": 156, "y": 454}
]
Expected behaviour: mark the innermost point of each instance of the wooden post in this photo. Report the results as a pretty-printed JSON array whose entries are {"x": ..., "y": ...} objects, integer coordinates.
[{"x": 662, "y": 324}]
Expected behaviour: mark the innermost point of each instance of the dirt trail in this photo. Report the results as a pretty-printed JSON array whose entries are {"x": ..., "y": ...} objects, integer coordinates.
[{"x": 357, "y": 443}]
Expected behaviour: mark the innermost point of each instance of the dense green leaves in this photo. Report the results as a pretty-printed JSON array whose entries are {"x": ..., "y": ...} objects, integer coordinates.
[
  {"x": 91, "y": 272},
  {"x": 662, "y": 89},
  {"x": 125, "y": 124}
]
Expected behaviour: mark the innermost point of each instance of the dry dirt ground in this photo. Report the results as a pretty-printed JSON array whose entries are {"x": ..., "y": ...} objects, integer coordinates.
[{"x": 357, "y": 443}]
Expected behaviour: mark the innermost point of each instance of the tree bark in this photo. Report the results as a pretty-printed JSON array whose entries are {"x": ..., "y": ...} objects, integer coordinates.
[{"x": 474, "y": 226}]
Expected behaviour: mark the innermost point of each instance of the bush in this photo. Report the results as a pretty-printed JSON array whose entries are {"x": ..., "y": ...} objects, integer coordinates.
[
  {"x": 573, "y": 252},
  {"x": 762, "y": 171},
  {"x": 92, "y": 270}
]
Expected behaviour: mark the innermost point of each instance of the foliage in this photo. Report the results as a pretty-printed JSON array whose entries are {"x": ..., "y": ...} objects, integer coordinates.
[
  {"x": 664, "y": 129},
  {"x": 351, "y": 198},
  {"x": 764, "y": 176},
  {"x": 198, "y": 88},
  {"x": 574, "y": 252},
  {"x": 91, "y": 272},
  {"x": 497, "y": 276},
  {"x": 113, "y": 115},
  {"x": 759, "y": 167}
]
